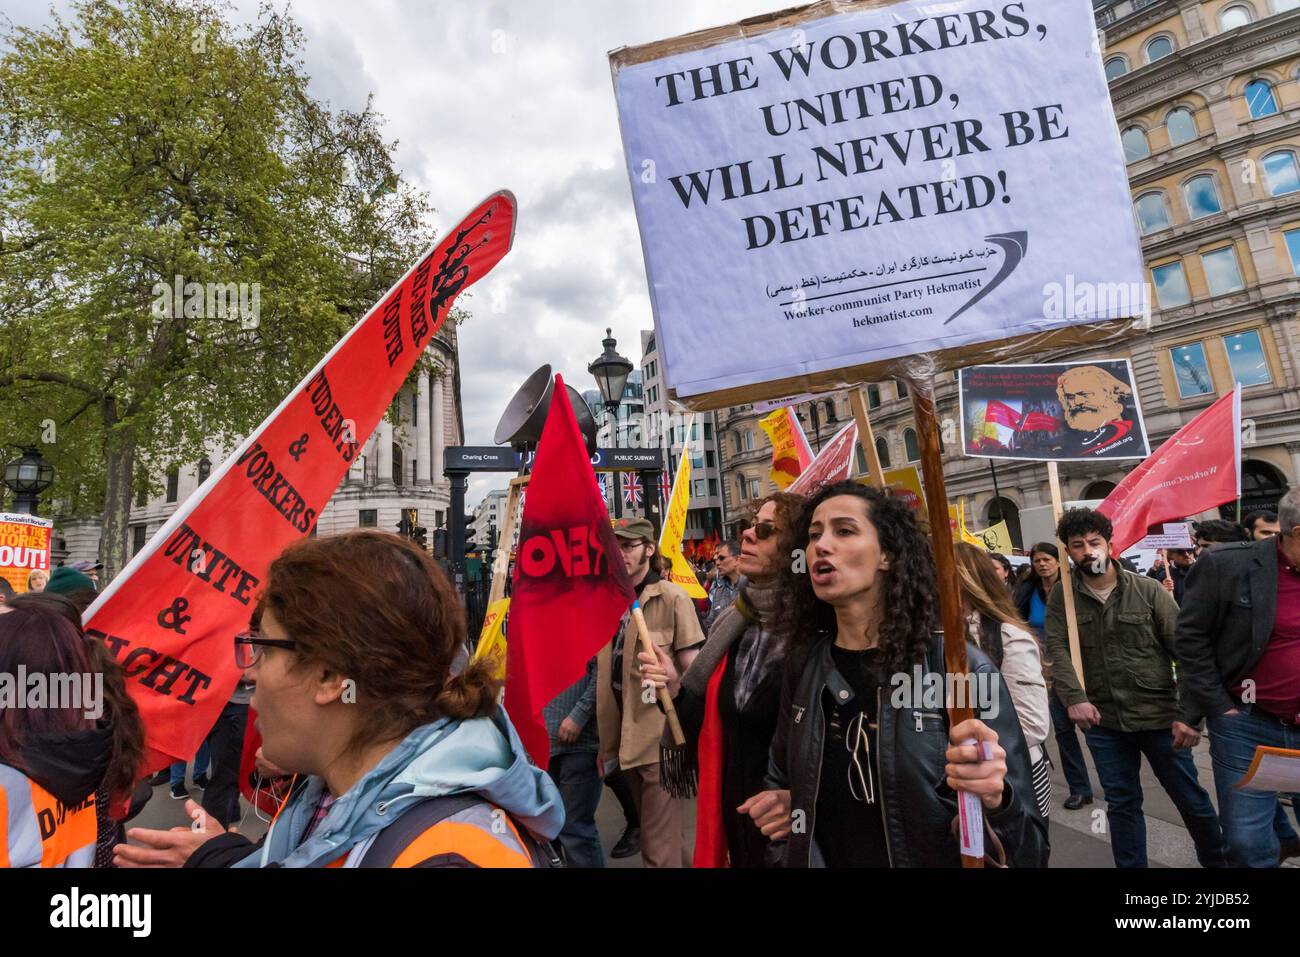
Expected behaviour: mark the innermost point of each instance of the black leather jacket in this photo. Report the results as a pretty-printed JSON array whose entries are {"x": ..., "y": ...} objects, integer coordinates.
[{"x": 917, "y": 805}]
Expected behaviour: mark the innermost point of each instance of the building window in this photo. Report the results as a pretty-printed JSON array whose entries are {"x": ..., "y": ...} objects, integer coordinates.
[
  {"x": 1191, "y": 371},
  {"x": 1152, "y": 213},
  {"x": 139, "y": 537},
  {"x": 902, "y": 389},
  {"x": 740, "y": 445},
  {"x": 1171, "y": 285},
  {"x": 713, "y": 487},
  {"x": 1116, "y": 67},
  {"x": 749, "y": 440},
  {"x": 1293, "y": 249},
  {"x": 398, "y": 464},
  {"x": 1181, "y": 126},
  {"x": 1135, "y": 144},
  {"x": 173, "y": 485},
  {"x": 873, "y": 396},
  {"x": 709, "y": 460},
  {"x": 1246, "y": 357},
  {"x": 708, "y": 431},
  {"x": 205, "y": 470},
  {"x": 1221, "y": 271},
  {"x": 1281, "y": 173},
  {"x": 1202, "y": 198},
  {"x": 1260, "y": 99},
  {"x": 740, "y": 488},
  {"x": 753, "y": 488},
  {"x": 911, "y": 446},
  {"x": 882, "y": 453},
  {"x": 142, "y": 496},
  {"x": 368, "y": 518},
  {"x": 1159, "y": 48},
  {"x": 1234, "y": 17}
]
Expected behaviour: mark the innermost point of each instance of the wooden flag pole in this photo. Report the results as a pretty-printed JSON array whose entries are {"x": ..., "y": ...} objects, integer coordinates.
[
  {"x": 501, "y": 560},
  {"x": 1067, "y": 585},
  {"x": 954, "y": 629},
  {"x": 665, "y": 699},
  {"x": 867, "y": 437}
]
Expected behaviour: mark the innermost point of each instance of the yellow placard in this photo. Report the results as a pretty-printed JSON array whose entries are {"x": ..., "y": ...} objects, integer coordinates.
[
  {"x": 997, "y": 538},
  {"x": 492, "y": 639}
]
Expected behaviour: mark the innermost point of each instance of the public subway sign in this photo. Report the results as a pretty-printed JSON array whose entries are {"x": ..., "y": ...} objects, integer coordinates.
[
  {"x": 170, "y": 617},
  {"x": 24, "y": 547},
  {"x": 821, "y": 192}
]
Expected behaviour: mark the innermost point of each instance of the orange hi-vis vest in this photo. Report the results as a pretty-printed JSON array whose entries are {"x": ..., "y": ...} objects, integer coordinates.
[
  {"x": 478, "y": 836},
  {"x": 38, "y": 830}
]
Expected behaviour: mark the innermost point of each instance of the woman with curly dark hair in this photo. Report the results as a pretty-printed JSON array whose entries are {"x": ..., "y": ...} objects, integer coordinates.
[
  {"x": 864, "y": 768},
  {"x": 728, "y": 698}
]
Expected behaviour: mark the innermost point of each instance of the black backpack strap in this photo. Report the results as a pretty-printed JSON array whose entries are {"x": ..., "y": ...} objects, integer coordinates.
[{"x": 424, "y": 814}]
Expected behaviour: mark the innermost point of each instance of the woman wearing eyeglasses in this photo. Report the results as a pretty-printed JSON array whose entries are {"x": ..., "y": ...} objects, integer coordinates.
[
  {"x": 728, "y": 698},
  {"x": 1002, "y": 635},
  {"x": 400, "y": 761},
  {"x": 863, "y": 766}
]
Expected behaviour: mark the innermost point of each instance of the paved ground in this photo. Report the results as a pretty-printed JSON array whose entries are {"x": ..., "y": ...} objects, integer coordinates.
[{"x": 1079, "y": 838}]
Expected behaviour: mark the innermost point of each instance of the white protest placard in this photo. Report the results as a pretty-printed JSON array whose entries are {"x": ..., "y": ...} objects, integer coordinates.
[
  {"x": 1176, "y": 535},
  {"x": 834, "y": 189}
]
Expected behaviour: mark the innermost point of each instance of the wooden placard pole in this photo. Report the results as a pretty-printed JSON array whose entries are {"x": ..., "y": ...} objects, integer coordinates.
[
  {"x": 945, "y": 565},
  {"x": 1067, "y": 585},
  {"x": 867, "y": 437},
  {"x": 501, "y": 559}
]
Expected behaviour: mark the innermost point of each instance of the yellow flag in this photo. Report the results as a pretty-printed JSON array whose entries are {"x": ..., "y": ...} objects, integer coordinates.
[
  {"x": 492, "y": 639},
  {"x": 790, "y": 455},
  {"x": 962, "y": 533},
  {"x": 674, "y": 530}
]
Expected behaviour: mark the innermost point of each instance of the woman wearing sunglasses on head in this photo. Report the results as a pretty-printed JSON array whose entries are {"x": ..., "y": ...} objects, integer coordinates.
[
  {"x": 401, "y": 762},
  {"x": 863, "y": 764},
  {"x": 728, "y": 698}
]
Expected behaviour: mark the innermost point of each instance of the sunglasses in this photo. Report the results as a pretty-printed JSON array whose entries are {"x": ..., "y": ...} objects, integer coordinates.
[{"x": 762, "y": 530}]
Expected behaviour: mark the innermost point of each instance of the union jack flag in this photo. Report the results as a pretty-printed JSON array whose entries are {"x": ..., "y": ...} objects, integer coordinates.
[
  {"x": 632, "y": 490},
  {"x": 665, "y": 487}
]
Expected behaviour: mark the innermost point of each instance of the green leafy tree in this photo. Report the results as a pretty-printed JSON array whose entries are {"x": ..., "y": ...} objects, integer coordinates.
[{"x": 147, "y": 140}]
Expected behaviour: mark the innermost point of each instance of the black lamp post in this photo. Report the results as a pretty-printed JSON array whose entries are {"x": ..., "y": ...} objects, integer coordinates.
[
  {"x": 27, "y": 477},
  {"x": 611, "y": 371}
]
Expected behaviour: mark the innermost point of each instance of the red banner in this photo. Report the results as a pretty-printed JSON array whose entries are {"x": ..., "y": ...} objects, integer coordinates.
[
  {"x": 570, "y": 586},
  {"x": 1199, "y": 468},
  {"x": 832, "y": 464},
  {"x": 170, "y": 617}
]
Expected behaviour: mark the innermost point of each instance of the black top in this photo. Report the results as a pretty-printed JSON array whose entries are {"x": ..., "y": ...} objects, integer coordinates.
[{"x": 849, "y": 832}]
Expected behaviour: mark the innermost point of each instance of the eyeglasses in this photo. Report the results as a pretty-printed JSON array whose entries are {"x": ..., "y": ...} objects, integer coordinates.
[
  {"x": 862, "y": 782},
  {"x": 762, "y": 530},
  {"x": 248, "y": 648}
]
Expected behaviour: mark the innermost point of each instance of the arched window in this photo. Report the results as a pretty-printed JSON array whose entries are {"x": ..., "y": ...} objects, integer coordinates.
[
  {"x": 1181, "y": 126},
  {"x": 1116, "y": 67},
  {"x": 1152, "y": 213},
  {"x": 911, "y": 446},
  {"x": 205, "y": 469},
  {"x": 1096, "y": 491},
  {"x": 882, "y": 453},
  {"x": 1159, "y": 48},
  {"x": 1005, "y": 510},
  {"x": 1261, "y": 487},
  {"x": 1202, "y": 198},
  {"x": 1260, "y": 99},
  {"x": 1281, "y": 173},
  {"x": 1135, "y": 144},
  {"x": 1233, "y": 17}
]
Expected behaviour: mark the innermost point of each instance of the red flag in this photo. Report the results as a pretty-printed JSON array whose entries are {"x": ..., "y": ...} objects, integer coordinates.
[
  {"x": 832, "y": 464},
  {"x": 171, "y": 616},
  {"x": 1002, "y": 414},
  {"x": 570, "y": 586},
  {"x": 1197, "y": 469},
  {"x": 1040, "y": 422}
]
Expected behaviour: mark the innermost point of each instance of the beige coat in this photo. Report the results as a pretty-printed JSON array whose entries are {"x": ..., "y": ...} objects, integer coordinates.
[{"x": 632, "y": 733}]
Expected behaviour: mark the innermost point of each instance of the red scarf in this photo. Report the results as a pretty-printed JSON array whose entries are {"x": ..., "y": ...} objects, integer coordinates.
[{"x": 710, "y": 837}]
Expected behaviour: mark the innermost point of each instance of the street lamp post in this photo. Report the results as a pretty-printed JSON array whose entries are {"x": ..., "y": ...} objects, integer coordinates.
[
  {"x": 611, "y": 371},
  {"x": 27, "y": 477}
]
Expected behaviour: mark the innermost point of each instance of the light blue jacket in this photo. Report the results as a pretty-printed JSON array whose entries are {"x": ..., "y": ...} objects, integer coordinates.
[{"x": 480, "y": 755}]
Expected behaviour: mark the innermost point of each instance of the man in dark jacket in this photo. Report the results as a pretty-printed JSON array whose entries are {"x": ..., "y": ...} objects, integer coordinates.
[
  {"x": 1131, "y": 708},
  {"x": 1238, "y": 645}
]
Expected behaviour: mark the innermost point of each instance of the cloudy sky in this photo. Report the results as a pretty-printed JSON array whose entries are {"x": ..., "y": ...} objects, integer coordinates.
[{"x": 485, "y": 94}]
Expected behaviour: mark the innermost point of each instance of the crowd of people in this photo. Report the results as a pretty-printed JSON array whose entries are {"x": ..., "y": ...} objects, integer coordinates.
[{"x": 801, "y": 686}]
